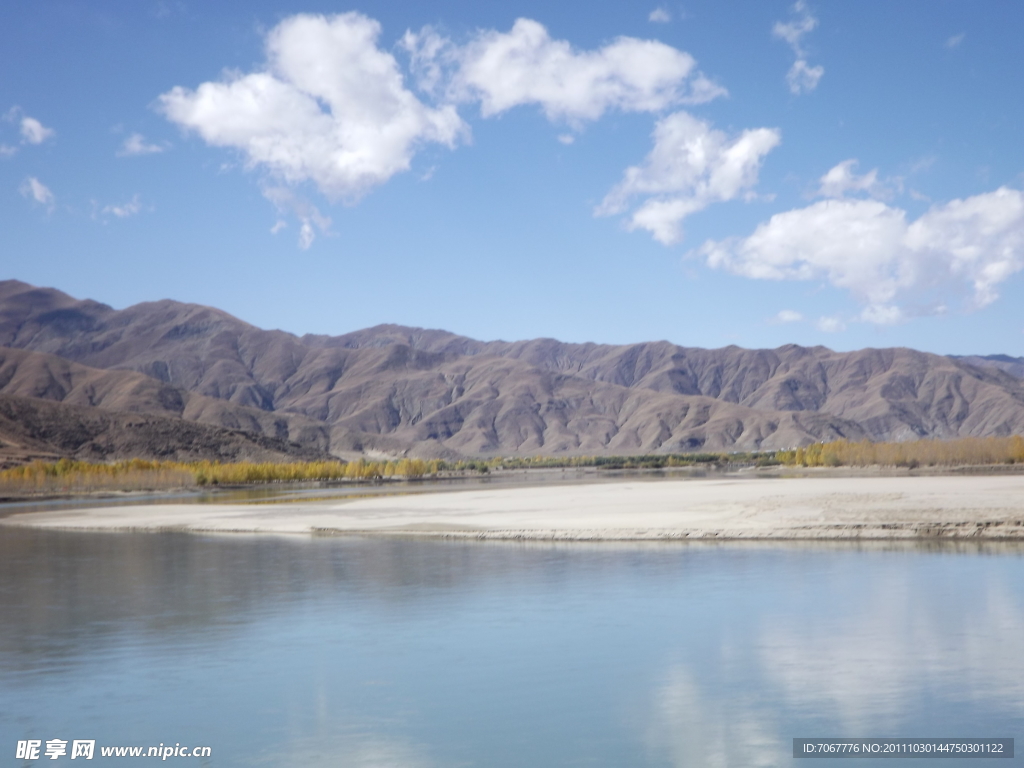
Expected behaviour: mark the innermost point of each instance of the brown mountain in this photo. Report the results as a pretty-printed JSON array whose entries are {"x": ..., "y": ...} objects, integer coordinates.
[
  {"x": 35, "y": 374},
  {"x": 1012, "y": 365},
  {"x": 395, "y": 390},
  {"x": 31, "y": 428}
]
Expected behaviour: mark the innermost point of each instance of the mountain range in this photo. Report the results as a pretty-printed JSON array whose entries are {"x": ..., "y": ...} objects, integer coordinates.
[{"x": 235, "y": 390}]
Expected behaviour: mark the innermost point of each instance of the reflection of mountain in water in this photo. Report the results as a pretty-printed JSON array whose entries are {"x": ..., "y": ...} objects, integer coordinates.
[
  {"x": 409, "y": 652},
  {"x": 64, "y": 587},
  {"x": 64, "y": 592}
]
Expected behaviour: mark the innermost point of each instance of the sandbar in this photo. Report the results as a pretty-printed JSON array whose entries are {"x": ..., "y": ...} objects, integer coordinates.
[{"x": 988, "y": 507}]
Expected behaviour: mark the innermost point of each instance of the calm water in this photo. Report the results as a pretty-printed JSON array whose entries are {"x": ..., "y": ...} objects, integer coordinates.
[{"x": 402, "y": 653}]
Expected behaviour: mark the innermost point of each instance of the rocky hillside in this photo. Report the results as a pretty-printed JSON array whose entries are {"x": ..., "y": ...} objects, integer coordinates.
[
  {"x": 1012, "y": 365},
  {"x": 394, "y": 389},
  {"x": 31, "y": 429}
]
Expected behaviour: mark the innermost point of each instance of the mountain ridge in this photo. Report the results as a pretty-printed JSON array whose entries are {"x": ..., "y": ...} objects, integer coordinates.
[
  {"x": 37, "y": 429},
  {"x": 399, "y": 390}
]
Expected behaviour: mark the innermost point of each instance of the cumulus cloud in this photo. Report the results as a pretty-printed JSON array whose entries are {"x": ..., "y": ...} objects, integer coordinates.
[
  {"x": 33, "y": 189},
  {"x": 525, "y": 66},
  {"x": 660, "y": 15},
  {"x": 802, "y": 77},
  {"x": 793, "y": 31},
  {"x": 788, "y": 316},
  {"x": 831, "y": 324},
  {"x": 136, "y": 144},
  {"x": 691, "y": 166},
  {"x": 841, "y": 180},
  {"x": 896, "y": 268},
  {"x": 34, "y": 132},
  {"x": 124, "y": 210},
  {"x": 330, "y": 107}
]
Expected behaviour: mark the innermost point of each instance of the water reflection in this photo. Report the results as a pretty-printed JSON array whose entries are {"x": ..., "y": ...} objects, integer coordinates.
[
  {"x": 335, "y": 747},
  {"x": 903, "y": 636},
  {"x": 402, "y": 652},
  {"x": 695, "y": 728}
]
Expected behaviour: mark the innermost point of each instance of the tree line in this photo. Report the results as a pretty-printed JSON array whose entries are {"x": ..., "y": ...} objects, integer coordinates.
[{"x": 71, "y": 476}]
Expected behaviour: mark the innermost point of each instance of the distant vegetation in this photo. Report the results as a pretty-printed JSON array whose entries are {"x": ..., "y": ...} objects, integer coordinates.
[
  {"x": 67, "y": 476},
  {"x": 80, "y": 476},
  {"x": 970, "y": 451}
]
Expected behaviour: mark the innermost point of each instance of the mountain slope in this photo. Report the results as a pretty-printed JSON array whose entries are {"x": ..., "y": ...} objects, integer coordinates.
[
  {"x": 1011, "y": 365},
  {"x": 25, "y": 373},
  {"x": 41, "y": 429},
  {"x": 396, "y": 389}
]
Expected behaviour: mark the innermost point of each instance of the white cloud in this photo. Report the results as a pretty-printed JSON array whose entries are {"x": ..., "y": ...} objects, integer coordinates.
[
  {"x": 894, "y": 267},
  {"x": 136, "y": 144},
  {"x": 788, "y": 316},
  {"x": 802, "y": 77},
  {"x": 330, "y": 108},
  {"x": 830, "y": 324},
  {"x": 33, "y": 189},
  {"x": 34, "y": 132},
  {"x": 841, "y": 179},
  {"x": 955, "y": 40},
  {"x": 691, "y": 166},
  {"x": 882, "y": 314},
  {"x": 432, "y": 59},
  {"x": 793, "y": 31},
  {"x": 124, "y": 210},
  {"x": 660, "y": 15},
  {"x": 526, "y": 66},
  {"x": 306, "y": 235},
  {"x": 309, "y": 216}
]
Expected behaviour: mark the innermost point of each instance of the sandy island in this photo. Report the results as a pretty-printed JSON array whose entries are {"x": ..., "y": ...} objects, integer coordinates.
[{"x": 990, "y": 507}]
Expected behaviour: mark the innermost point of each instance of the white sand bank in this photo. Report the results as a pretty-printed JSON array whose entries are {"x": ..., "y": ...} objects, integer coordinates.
[{"x": 809, "y": 508}]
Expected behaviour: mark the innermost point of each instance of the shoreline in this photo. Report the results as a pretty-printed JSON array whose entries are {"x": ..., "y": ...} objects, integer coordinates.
[
  {"x": 947, "y": 507},
  {"x": 507, "y": 477}
]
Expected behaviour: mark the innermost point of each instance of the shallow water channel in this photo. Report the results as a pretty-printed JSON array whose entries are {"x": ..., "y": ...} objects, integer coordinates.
[{"x": 404, "y": 652}]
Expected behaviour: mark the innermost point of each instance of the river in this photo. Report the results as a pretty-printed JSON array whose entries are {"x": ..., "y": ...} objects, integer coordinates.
[{"x": 402, "y": 652}]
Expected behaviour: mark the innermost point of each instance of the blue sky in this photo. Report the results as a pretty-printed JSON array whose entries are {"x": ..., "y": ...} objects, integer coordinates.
[{"x": 750, "y": 173}]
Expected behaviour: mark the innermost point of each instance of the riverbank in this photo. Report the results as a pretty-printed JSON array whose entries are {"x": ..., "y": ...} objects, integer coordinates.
[{"x": 990, "y": 507}]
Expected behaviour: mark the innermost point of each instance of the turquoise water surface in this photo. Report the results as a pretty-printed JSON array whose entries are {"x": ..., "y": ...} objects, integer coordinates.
[{"x": 404, "y": 652}]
